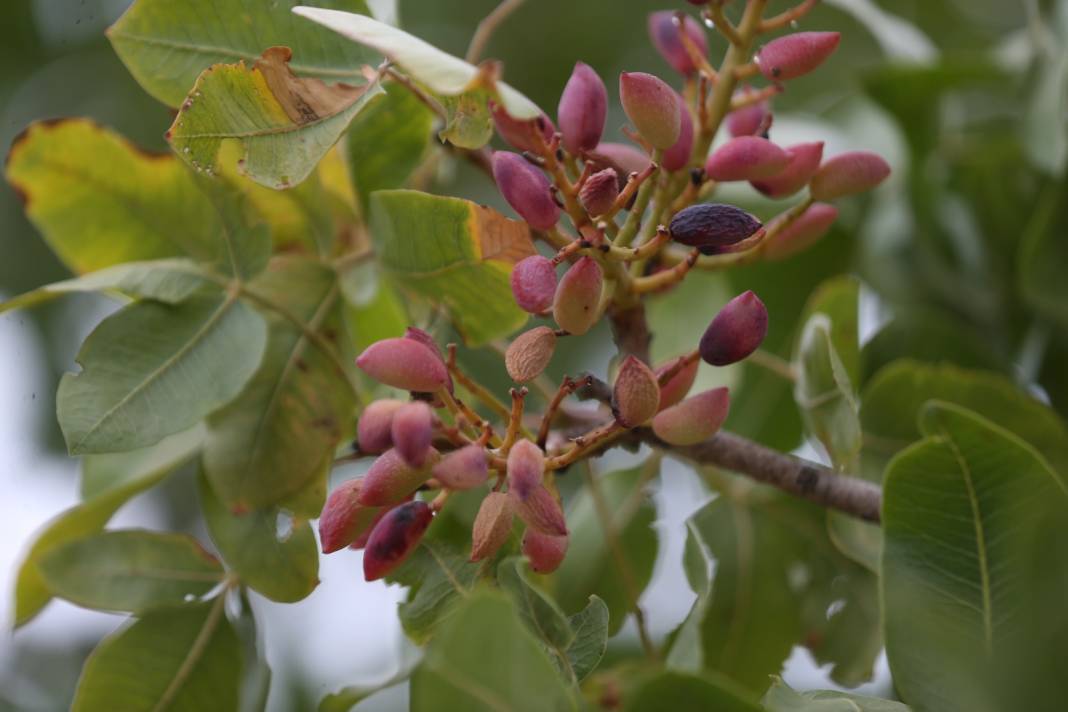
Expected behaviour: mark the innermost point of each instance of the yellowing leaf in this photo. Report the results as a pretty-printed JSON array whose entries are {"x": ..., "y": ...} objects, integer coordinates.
[
  {"x": 285, "y": 124},
  {"x": 99, "y": 200},
  {"x": 455, "y": 253}
]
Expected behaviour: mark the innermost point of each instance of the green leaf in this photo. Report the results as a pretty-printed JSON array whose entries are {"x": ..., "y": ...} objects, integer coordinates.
[
  {"x": 277, "y": 557},
  {"x": 590, "y": 626},
  {"x": 536, "y": 609},
  {"x": 166, "y": 45},
  {"x": 932, "y": 336},
  {"x": 540, "y": 613},
  {"x": 483, "y": 658},
  {"x": 839, "y": 299},
  {"x": 440, "y": 72},
  {"x": 680, "y": 692},
  {"x": 470, "y": 123},
  {"x": 286, "y": 124},
  {"x": 824, "y": 392},
  {"x": 387, "y": 141},
  {"x": 439, "y": 576},
  {"x": 149, "y": 354},
  {"x": 776, "y": 577},
  {"x": 590, "y": 567},
  {"x": 169, "y": 280},
  {"x": 184, "y": 659},
  {"x": 279, "y": 435},
  {"x": 455, "y": 253},
  {"x": 109, "y": 482},
  {"x": 98, "y": 200},
  {"x": 896, "y": 395},
  {"x": 244, "y": 244},
  {"x": 974, "y": 569},
  {"x": 108, "y": 471},
  {"x": 130, "y": 570},
  {"x": 1041, "y": 251},
  {"x": 782, "y": 698}
]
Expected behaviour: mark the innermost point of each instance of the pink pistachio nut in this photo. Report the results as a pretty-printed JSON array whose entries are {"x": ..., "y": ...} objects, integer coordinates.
[
  {"x": 693, "y": 420},
  {"x": 534, "y": 283},
  {"x": 374, "y": 428},
  {"x": 804, "y": 162},
  {"x": 795, "y": 55},
  {"x": 736, "y": 331},
  {"x": 802, "y": 233},
  {"x": 545, "y": 552},
  {"x": 664, "y": 33},
  {"x": 746, "y": 158},
  {"x": 412, "y": 432},
  {"x": 390, "y": 479},
  {"x": 582, "y": 110},
  {"x": 404, "y": 363},
  {"x": 522, "y": 135},
  {"x": 848, "y": 174},
  {"x": 462, "y": 469},
  {"x": 678, "y": 385},
  {"x": 394, "y": 538},
  {"x": 678, "y": 156},
  {"x": 578, "y": 296},
  {"x": 493, "y": 525},
  {"x": 343, "y": 518},
  {"x": 598, "y": 194},
  {"x": 652, "y": 106},
  {"x": 526, "y": 189},
  {"x": 636, "y": 393}
]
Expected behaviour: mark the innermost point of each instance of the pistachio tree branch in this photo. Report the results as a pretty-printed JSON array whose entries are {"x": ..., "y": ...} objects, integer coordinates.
[
  {"x": 809, "y": 480},
  {"x": 488, "y": 26}
]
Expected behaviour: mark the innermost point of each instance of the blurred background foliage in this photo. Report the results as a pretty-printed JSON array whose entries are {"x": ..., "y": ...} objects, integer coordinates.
[{"x": 962, "y": 254}]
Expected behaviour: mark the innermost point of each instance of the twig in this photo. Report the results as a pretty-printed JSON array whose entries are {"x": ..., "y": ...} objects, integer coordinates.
[
  {"x": 488, "y": 26},
  {"x": 568, "y": 387},
  {"x": 777, "y": 365},
  {"x": 515, "y": 420},
  {"x": 808, "y": 480},
  {"x": 785, "y": 18}
]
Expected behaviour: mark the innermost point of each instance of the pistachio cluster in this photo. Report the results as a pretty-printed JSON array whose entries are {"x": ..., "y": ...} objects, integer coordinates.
[{"x": 638, "y": 219}]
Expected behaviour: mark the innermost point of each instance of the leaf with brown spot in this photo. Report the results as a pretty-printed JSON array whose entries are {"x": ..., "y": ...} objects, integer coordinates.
[{"x": 284, "y": 123}]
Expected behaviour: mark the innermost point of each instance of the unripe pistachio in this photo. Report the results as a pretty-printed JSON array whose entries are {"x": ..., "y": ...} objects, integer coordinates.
[
  {"x": 526, "y": 467},
  {"x": 804, "y": 161},
  {"x": 695, "y": 419},
  {"x": 412, "y": 432},
  {"x": 665, "y": 36},
  {"x": 540, "y": 510},
  {"x": 636, "y": 394},
  {"x": 427, "y": 340},
  {"x": 361, "y": 541},
  {"x": 678, "y": 155},
  {"x": 530, "y": 353},
  {"x": 598, "y": 194},
  {"x": 523, "y": 135},
  {"x": 394, "y": 537},
  {"x": 710, "y": 226},
  {"x": 373, "y": 430},
  {"x": 626, "y": 159},
  {"x": 652, "y": 106},
  {"x": 848, "y": 173},
  {"x": 736, "y": 331},
  {"x": 462, "y": 469},
  {"x": 404, "y": 363},
  {"x": 801, "y": 233},
  {"x": 582, "y": 110},
  {"x": 678, "y": 385},
  {"x": 752, "y": 120},
  {"x": 794, "y": 55},
  {"x": 493, "y": 524},
  {"x": 578, "y": 295},
  {"x": 746, "y": 158},
  {"x": 390, "y": 479},
  {"x": 534, "y": 283},
  {"x": 343, "y": 518},
  {"x": 544, "y": 551},
  {"x": 526, "y": 189}
]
